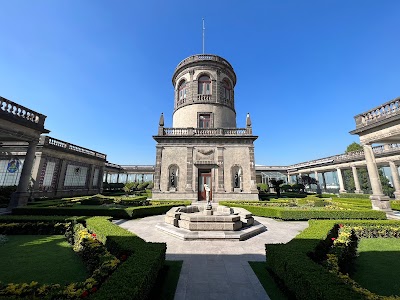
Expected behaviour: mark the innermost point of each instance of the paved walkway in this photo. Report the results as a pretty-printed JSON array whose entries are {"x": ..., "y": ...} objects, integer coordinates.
[{"x": 214, "y": 269}]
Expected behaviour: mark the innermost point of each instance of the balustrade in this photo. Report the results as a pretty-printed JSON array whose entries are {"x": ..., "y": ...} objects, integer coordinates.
[
  {"x": 386, "y": 110},
  {"x": 204, "y": 98},
  {"x": 202, "y": 57},
  {"x": 205, "y": 131},
  {"x": 12, "y": 108},
  {"x": 354, "y": 155},
  {"x": 61, "y": 144}
]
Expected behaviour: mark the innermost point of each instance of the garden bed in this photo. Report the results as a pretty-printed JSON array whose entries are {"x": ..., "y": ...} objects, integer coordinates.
[
  {"x": 310, "y": 266},
  {"x": 126, "y": 269},
  {"x": 99, "y": 206},
  {"x": 310, "y": 208}
]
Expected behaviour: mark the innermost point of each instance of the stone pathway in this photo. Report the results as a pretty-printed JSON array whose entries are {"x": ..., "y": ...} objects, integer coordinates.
[{"x": 215, "y": 269}]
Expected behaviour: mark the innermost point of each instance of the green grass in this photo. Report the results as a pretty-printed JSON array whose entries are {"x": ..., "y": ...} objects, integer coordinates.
[
  {"x": 377, "y": 266},
  {"x": 167, "y": 280},
  {"x": 260, "y": 268},
  {"x": 42, "y": 258}
]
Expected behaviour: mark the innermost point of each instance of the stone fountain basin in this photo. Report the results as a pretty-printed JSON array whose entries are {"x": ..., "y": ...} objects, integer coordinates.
[{"x": 219, "y": 218}]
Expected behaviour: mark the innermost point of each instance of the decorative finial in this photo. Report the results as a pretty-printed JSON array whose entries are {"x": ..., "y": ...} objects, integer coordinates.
[
  {"x": 161, "y": 123},
  {"x": 248, "y": 120}
]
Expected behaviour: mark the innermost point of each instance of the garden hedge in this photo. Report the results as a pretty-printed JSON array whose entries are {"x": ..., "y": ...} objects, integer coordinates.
[
  {"x": 289, "y": 214},
  {"x": 304, "y": 277},
  {"x": 133, "y": 279},
  {"x": 90, "y": 210}
]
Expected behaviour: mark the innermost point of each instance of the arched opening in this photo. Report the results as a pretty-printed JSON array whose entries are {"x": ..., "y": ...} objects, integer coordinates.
[
  {"x": 182, "y": 91},
  {"x": 204, "y": 85},
  {"x": 226, "y": 89},
  {"x": 173, "y": 178}
]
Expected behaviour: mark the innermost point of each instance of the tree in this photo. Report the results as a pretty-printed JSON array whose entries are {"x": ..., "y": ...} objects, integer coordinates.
[
  {"x": 307, "y": 180},
  {"x": 353, "y": 147},
  {"x": 276, "y": 185}
]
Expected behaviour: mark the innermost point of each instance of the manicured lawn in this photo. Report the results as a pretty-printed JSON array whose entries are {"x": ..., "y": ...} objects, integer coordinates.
[
  {"x": 41, "y": 258},
  {"x": 167, "y": 280},
  {"x": 377, "y": 267},
  {"x": 260, "y": 268}
]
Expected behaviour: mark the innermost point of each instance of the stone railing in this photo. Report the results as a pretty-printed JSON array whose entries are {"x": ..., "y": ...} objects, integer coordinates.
[
  {"x": 46, "y": 140},
  {"x": 203, "y": 57},
  {"x": 355, "y": 155},
  {"x": 204, "y": 98},
  {"x": 138, "y": 168},
  {"x": 206, "y": 131},
  {"x": 13, "y": 109},
  {"x": 384, "y": 111}
]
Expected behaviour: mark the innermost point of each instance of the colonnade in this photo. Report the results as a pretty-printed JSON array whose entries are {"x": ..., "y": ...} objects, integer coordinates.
[{"x": 379, "y": 200}]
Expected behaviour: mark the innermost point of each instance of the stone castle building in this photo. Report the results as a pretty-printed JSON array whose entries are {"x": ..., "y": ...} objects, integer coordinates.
[{"x": 204, "y": 146}]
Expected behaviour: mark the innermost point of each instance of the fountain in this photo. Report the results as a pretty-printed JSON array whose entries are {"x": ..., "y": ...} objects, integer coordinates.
[{"x": 210, "y": 222}]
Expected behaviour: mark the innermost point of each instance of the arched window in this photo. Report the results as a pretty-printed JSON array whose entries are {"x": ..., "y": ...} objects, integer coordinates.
[
  {"x": 182, "y": 90},
  {"x": 227, "y": 89},
  {"x": 204, "y": 85}
]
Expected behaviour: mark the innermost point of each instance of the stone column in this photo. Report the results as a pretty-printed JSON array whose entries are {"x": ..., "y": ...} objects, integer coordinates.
[
  {"x": 221, "y": 187},
  {"x": 189, "y": 169},
  {"x": 341, "y": 183},
  {"x": 396, "y": 180},
  {"x": 316, "y": 175},
  {"x": 101, "y": 180},
  {"x": 253, "y": 185},
  {"x": 90, "y": 179},
  {"x": 378, "y": 199},
  {"x": 157, "y": 170},
  {"x": 21, "y": 196},
  {"x": 61, "y": 175},
  {"x": 288, "y": 178},
  {"x": 323, "y": 180},
  {"x": 37, "y": 170},
  {"x": 318, "y": 184},
  {"x": 118, "y": 177},
  {"x": 356, "y": 181}
]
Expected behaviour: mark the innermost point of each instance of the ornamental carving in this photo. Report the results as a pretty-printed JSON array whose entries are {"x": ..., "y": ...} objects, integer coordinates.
[{"x": 205, "y": 154}]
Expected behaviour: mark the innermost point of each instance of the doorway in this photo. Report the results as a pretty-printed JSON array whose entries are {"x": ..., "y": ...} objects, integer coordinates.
[{"x": 204, "y": 178}]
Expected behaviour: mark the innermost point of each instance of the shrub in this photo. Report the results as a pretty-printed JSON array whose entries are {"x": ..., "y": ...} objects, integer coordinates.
[
  {"x": 262, "y": 187},
  {"x": 353, "y": 195},
  {"x": 287, "y": 213},
  {"x": 5, "y": 194}
]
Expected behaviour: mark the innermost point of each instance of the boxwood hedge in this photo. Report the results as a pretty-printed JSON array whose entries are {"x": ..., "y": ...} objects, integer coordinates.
[
  {"x": 288, "y": 214},
  {"x": 90, "y": 210},
  {"x": 293, "y": 265}
]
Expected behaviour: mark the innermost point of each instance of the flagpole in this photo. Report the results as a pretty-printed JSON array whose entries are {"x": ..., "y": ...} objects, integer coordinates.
[{"x": 203, "y": 35}]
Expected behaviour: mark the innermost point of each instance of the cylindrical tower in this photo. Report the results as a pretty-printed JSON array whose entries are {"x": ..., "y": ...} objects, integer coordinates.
[{"x": 204, "y": 93}]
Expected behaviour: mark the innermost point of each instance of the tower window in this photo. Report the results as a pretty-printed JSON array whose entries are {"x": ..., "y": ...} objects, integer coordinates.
[
  {"x": 204, "y": 120},
  {"x": 204, "y": 85},
  {"x": 182, "y": 90},
  {"x": 227, "y": 89}
]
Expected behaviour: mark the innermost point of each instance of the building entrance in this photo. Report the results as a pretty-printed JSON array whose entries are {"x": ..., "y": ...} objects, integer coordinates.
[{"x": 204, "y": 178}]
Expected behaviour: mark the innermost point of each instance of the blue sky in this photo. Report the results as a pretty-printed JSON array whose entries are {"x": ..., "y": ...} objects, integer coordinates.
[{"x": 101, "y": 70}]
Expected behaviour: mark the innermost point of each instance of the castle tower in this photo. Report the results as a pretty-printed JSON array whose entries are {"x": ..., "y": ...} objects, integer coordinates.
[{"x": 204, "y": 146}]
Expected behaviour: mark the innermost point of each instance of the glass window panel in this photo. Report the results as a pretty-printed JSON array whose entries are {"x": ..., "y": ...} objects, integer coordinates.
[{"x": 49, "y": 173}]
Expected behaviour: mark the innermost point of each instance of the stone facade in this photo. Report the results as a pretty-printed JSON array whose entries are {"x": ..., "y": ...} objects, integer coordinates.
[{"x": 204, "y": 145}]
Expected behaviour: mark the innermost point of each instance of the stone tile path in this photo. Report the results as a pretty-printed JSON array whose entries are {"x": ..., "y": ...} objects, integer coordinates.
[{"x": 214, "y": 269}]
